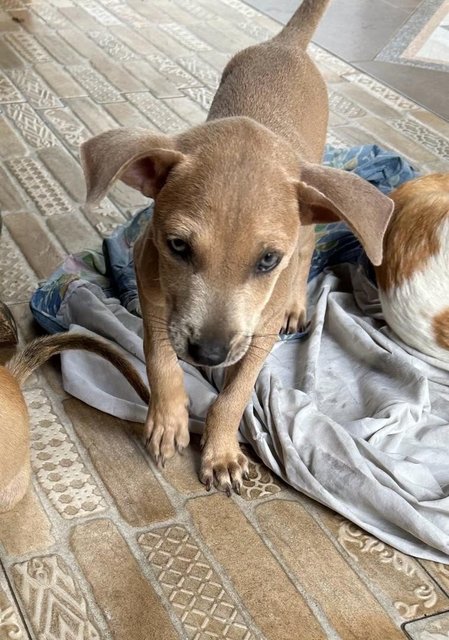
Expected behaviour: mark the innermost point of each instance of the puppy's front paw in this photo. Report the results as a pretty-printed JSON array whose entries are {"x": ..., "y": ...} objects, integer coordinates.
[
  {"x": 166, "y": 430},
  {"x": 295, "y": 320},
  {"x": 223, "y": 465}
]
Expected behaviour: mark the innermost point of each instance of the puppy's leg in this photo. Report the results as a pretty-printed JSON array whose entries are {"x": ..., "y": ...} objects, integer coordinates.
[
  {"x": 223, "y": 463},
  {"x": 167, "y": 426},
  {"x": 295, "y": 319}
]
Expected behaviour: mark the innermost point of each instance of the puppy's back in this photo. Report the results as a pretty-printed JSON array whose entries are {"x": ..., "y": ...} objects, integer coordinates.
[
  {"x": 14, "y": 440},
  {"x": 414, "y": 277}
]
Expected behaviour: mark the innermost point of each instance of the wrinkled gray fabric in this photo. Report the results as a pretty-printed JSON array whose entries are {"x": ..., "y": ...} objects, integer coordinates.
[{"x": 349, "y": 416}]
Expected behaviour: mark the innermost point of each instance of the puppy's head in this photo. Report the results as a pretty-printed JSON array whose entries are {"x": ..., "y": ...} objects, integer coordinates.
[{"x": 231, "y": 199}]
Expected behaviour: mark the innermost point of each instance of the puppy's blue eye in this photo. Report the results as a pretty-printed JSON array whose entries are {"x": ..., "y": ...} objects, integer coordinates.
[
  {"x": 268, "y": 262},
  {"x": 179, "y": 248}
]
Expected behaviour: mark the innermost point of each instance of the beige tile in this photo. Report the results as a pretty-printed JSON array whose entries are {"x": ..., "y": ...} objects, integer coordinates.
[
  {"x": 439, "y": 572},
  {"x": 158, "y": 111},
  {"x": 248, "y": 562},
  {"x": 188, "y": 110},
  {"x": 10, "y": 197},
  {"x": 182, "y": 471},
  {"x": 38, "y": 94},
  {"x": 66, "y": 170},
  {"x": 261, "y": 483},
  {"x": 92, "y": 115},
  {"x": 116, "y": 73},
  {"x": 128, "y": 116},
  {"x": 26, "y": 528},
  {"x": 83, "y": 45},
  {"x": 409, "y": 589},
  {"x": 99, "y": 89},
  {"x": 60, "y": 81},
  {"x": 67, "y": 126},
  {"x": 134, "y": 40},
  {"x": 118, "y": 460},
  {"x": 160, "y": 85},
  {"x": 11, "y": 627},
  {"x": 432, "y": 628},
  {"x": 368, "y": 101},
  {"x": 104, "y": 218},
  {"x": 8, "y": 57},
  {"x": 82, "y": 19},
  {"x": 393, "y": 139},
  {"x": 41, "y": 187},
  {"x": 36, "y": 244},
  {"x": 194, "y": 589},
  {"x": 30, "y": 125},
  {"x": 11, "y": 144},
  {"x": 17, "y": 279},
  {"x": 129, "y": 603},
  {"x": 348, "y": 605},
  {"x": 53, "y": 600},
  {"x": 127, "y": 199},
  {"x": 60, "y": 51},
  {"x": 74, "y": 232},
  {"x": 57, "y": 463}
]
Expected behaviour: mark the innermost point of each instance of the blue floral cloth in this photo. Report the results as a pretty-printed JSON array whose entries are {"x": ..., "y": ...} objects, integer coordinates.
[{"x": 109, "y": 273}]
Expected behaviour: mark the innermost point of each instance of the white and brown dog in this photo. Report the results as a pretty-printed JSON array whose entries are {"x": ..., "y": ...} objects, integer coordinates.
[{"x": 414, "y": 277}]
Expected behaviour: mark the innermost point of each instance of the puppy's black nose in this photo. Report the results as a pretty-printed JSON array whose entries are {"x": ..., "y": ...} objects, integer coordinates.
[{"x": 208, "y": 353}]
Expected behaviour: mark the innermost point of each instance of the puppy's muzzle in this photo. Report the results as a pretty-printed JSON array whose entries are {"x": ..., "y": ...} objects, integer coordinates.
[{"x": 209, "y": 353}]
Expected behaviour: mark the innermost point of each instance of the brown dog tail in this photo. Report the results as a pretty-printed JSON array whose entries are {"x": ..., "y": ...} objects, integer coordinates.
[
  {"x": 37, "y": 352},
  {"x": 303, "y": 22}
]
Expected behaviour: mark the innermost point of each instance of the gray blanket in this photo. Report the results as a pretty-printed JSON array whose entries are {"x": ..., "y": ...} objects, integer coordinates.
[{"x": 349, "y": 416}]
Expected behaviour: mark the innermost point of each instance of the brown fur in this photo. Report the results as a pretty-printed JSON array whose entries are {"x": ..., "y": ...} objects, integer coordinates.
[
  {"x": 245, "y": 183},
  {"x": 440, "y": 325},
  {"x": 14, "y": 427},
  {"x": 420, "y": 206}
]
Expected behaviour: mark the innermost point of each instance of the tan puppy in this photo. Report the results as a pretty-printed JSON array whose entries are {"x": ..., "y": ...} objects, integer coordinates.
[
  {"x": 14, "y": 425},
  {"x": 414, "y": 278},
  {"x": 224, "y": 263}
]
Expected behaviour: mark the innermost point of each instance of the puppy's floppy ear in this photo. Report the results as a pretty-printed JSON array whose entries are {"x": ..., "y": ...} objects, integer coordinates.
[
  {"x": 138, "y": 157},
  {"x": 328, "y": 195}
]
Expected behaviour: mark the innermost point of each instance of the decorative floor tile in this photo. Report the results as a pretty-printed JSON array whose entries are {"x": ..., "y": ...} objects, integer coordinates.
[
  {"x": 202, "y": 95},
  {"x": 196, "y": 10},
  {"x": 256, "y": 31},
  {"x": 382, "y": 91},
  {"x": 204, "y": 72},
  {"x": 104, "y": 217},
  {"x": 67, "y": 126},
  {"x": 28, "y": 47},
  {"x": 127, "y": 14},
  {"x": 95, "y": 84},
  {"x": 43, "y": 190},
  {"x": 412, "y": 591},
  {"x": 8, "y": 92},
  {"x": 30, "y": 125},
  {"x": 194, "y": 589},
  {"x": 54, "y": 18},
  {"x": 184, "y": 36},
  {"x": 424, "y": 136},
  {"x": 241, "y": 8},
  {"x": 344, "y": 107},
  {"x": 170, "y": 69},
  {"x": 11, "y": 627},
  {"x": 431, "y": 628},
  {"x": 38, "y": 94},
  {"x": 113, "y": 47},
  {"x": 157, "y": 112},
  {"x": 98, "y": 12},
  {"x": 17, "y": 280},
  {"x": 53, "y": 600},
  {"x": 261, "y": 483},
  {"x": 57, "y": 463}
]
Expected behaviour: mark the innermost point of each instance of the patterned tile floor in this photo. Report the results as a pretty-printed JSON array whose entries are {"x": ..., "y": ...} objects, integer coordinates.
[{"x": 104, "y": 545}]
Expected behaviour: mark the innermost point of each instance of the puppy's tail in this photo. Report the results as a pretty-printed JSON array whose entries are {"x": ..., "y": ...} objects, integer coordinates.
[
  {"x": 37, "y": 352},
  {"x": 301, "y": 26}
]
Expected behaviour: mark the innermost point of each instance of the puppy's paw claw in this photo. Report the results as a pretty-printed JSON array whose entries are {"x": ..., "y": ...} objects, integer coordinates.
[
  {"x": 166, "y": 433},
  {"x": 225, "y": 470}
]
